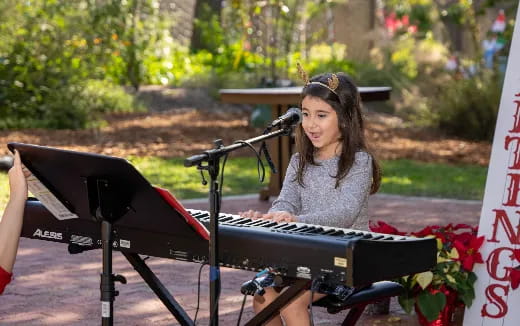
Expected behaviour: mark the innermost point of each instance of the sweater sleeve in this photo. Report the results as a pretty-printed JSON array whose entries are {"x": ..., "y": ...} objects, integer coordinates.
[
  {"x": 289, "y": 199},
  {"x": 5, "y": 278},
  {"x": 355, "y": 189}
]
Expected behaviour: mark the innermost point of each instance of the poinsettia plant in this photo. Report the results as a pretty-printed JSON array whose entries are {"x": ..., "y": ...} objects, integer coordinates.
[{"x": 448, "y": 284}]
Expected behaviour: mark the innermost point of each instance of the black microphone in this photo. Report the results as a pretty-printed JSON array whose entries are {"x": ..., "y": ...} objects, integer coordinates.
[{"x": 292, "y": 117}]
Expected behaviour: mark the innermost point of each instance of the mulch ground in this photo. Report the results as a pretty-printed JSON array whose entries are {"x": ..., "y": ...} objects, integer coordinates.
[{"x": 182, "y": 122}]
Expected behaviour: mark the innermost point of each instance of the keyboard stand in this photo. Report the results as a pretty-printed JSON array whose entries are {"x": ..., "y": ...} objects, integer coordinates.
[{"x": 159, "y": 289}]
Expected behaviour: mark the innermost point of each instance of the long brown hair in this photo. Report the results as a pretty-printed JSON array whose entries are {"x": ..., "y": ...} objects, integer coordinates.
[{"x": 346, "y": 101}]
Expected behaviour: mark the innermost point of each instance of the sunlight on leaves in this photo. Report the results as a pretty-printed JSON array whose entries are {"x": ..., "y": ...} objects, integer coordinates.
[{"x": 424, "y": 279}]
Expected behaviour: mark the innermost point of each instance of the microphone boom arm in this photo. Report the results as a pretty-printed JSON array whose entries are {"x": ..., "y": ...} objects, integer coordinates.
[{"x": 215, "y": 153}]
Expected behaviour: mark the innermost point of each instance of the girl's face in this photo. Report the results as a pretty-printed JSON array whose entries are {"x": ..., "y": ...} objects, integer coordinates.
[{"x": 320, "y": 123}]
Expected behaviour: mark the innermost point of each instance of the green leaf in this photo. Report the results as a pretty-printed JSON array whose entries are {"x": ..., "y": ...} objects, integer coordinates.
[
  {"x": 424, "y": 279},
  {"x": 431, "y": 304},
  {"x": 406, "y": 303},
  {"x": 467, "y": 296}
]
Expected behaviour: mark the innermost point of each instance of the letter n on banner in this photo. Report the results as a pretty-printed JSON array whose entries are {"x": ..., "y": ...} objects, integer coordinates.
[{"x": 497, "y": 302}]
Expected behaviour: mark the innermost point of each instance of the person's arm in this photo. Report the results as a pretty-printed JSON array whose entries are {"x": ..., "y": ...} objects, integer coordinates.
[
  {"x": 288, "y": 202},
  {"x": 289, "y": 199},
  {"x": 11, "y": 223},
  {"x": 355, "y": 189}
]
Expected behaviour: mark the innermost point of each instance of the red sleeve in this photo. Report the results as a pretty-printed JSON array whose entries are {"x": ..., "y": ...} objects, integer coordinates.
[{"x": 5, "y": 278}]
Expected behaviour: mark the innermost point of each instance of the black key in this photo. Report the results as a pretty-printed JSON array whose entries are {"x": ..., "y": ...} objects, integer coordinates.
[
  {"x": 301, "y": 228},
  {"x": 337, "y": 233},
  {"x": 225, "y": 218},
  {"x": 242, "y": 221},
  {"x": 314, "y": 230},
  {"x": 265, "y": 223},
  {"x": 269, "y": 224},
  {"x": 281, "y": 225},
  {"x": 329, "y": 232},
  {"x": 253, "y": 223}
]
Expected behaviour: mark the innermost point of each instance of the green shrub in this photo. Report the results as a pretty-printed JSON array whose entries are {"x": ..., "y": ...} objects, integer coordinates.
[
  {"x": 104, "y": 97},
  {"x": 71, "y": 106},
  {"x": 468, "y": 108}
]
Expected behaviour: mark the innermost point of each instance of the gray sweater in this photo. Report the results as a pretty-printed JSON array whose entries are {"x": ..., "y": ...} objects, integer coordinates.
[{"x": 319, "y": 202}]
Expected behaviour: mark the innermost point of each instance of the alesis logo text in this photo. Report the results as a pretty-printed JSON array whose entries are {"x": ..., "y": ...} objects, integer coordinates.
[{"x": 48, "y": 234}]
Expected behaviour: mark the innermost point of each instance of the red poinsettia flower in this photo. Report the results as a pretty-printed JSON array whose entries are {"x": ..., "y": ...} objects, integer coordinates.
[
  {"x": 514, "y": 276},
  {"x": 462, "y": 226},
  {"x": 429, "y": 230},
  {"x": 465, "y": 237},
  {"x": 382, "y": 227},
  {"x": 469, "y": 255}
]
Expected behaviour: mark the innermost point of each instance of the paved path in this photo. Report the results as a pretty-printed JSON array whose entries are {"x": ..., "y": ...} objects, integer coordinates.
[{"x": 55, "y": 288}]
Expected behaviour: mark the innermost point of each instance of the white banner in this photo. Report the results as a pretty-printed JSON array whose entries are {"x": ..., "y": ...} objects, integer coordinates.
[{"x": 496, "y": 302}]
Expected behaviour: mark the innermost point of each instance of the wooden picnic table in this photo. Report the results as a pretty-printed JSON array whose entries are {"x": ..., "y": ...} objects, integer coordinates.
[{"x": 280, "y": 99}]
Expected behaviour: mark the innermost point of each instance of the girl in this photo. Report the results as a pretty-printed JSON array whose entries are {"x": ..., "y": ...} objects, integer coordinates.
[
  {"x": 329, "y": 179},
  {"x": 11, "y": 222}
]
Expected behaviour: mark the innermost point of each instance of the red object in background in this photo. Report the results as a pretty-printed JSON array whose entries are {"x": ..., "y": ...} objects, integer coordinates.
[
  {"x": 5, "y": 278},
  {"x": 499, "y": 25},
  {"x": 382, "y": 227}
]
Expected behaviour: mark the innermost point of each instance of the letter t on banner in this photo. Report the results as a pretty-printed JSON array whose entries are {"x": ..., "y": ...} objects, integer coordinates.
[{"x": 497, "y": 296}]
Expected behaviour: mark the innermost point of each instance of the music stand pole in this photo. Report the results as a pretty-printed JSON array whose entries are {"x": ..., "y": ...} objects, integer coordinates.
[
  {"x": 106, "y": 208},
  {"x": 214, "y": 271},
  {"x": 107, "y": 281},
  {"x": 213, "y": 158}
]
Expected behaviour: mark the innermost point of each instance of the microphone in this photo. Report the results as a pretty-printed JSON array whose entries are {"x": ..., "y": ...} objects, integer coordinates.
[{"x": 292, "y": 117}]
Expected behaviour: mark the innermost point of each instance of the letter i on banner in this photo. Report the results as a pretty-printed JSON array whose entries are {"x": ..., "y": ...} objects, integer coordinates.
[{"x": 497, "y": 292}]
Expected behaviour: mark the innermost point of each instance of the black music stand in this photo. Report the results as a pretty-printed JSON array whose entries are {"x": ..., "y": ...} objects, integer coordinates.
[{"x": 109, "y": 191}]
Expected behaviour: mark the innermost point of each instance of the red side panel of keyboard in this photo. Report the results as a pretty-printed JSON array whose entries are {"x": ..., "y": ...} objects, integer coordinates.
[{"x": 193, "y": 222}]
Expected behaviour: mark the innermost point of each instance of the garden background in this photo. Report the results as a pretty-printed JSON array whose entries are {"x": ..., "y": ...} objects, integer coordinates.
[{"x": 139, "y": 79}]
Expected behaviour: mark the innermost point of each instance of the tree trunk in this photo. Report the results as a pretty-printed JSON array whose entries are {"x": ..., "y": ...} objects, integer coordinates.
[{"x": 200, "y": 14}]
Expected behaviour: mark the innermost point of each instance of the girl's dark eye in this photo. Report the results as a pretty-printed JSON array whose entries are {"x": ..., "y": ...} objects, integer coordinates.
[
  {"x": 305, "y": 114},
  {"x": 322, "y": 115}
]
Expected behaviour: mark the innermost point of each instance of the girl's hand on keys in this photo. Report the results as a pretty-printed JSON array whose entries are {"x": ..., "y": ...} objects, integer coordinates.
[
  {"x": 280, "y": 217},
  {"x": 251, "y": 214}
]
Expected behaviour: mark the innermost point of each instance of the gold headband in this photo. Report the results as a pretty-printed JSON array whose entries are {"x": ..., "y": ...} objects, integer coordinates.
[{"x": 332, "y": 82}]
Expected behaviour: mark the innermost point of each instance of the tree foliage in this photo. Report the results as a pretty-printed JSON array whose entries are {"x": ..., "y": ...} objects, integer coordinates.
[{"x": 52, "y": 49}]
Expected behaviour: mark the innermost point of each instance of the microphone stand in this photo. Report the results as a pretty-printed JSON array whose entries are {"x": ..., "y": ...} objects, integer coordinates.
[{"x": 212, "y": 157}]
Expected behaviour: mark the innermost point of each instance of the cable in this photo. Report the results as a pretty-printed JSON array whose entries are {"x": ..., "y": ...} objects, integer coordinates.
[
  {"x": 221, "y": 186},
  {"x": 198, "y": 294},
  {"x": 260, "y": 165},
  {"x": 241, "y": 309},
  {"x": 310, "y": 308},
  {"x": 263, "y": 149}
]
